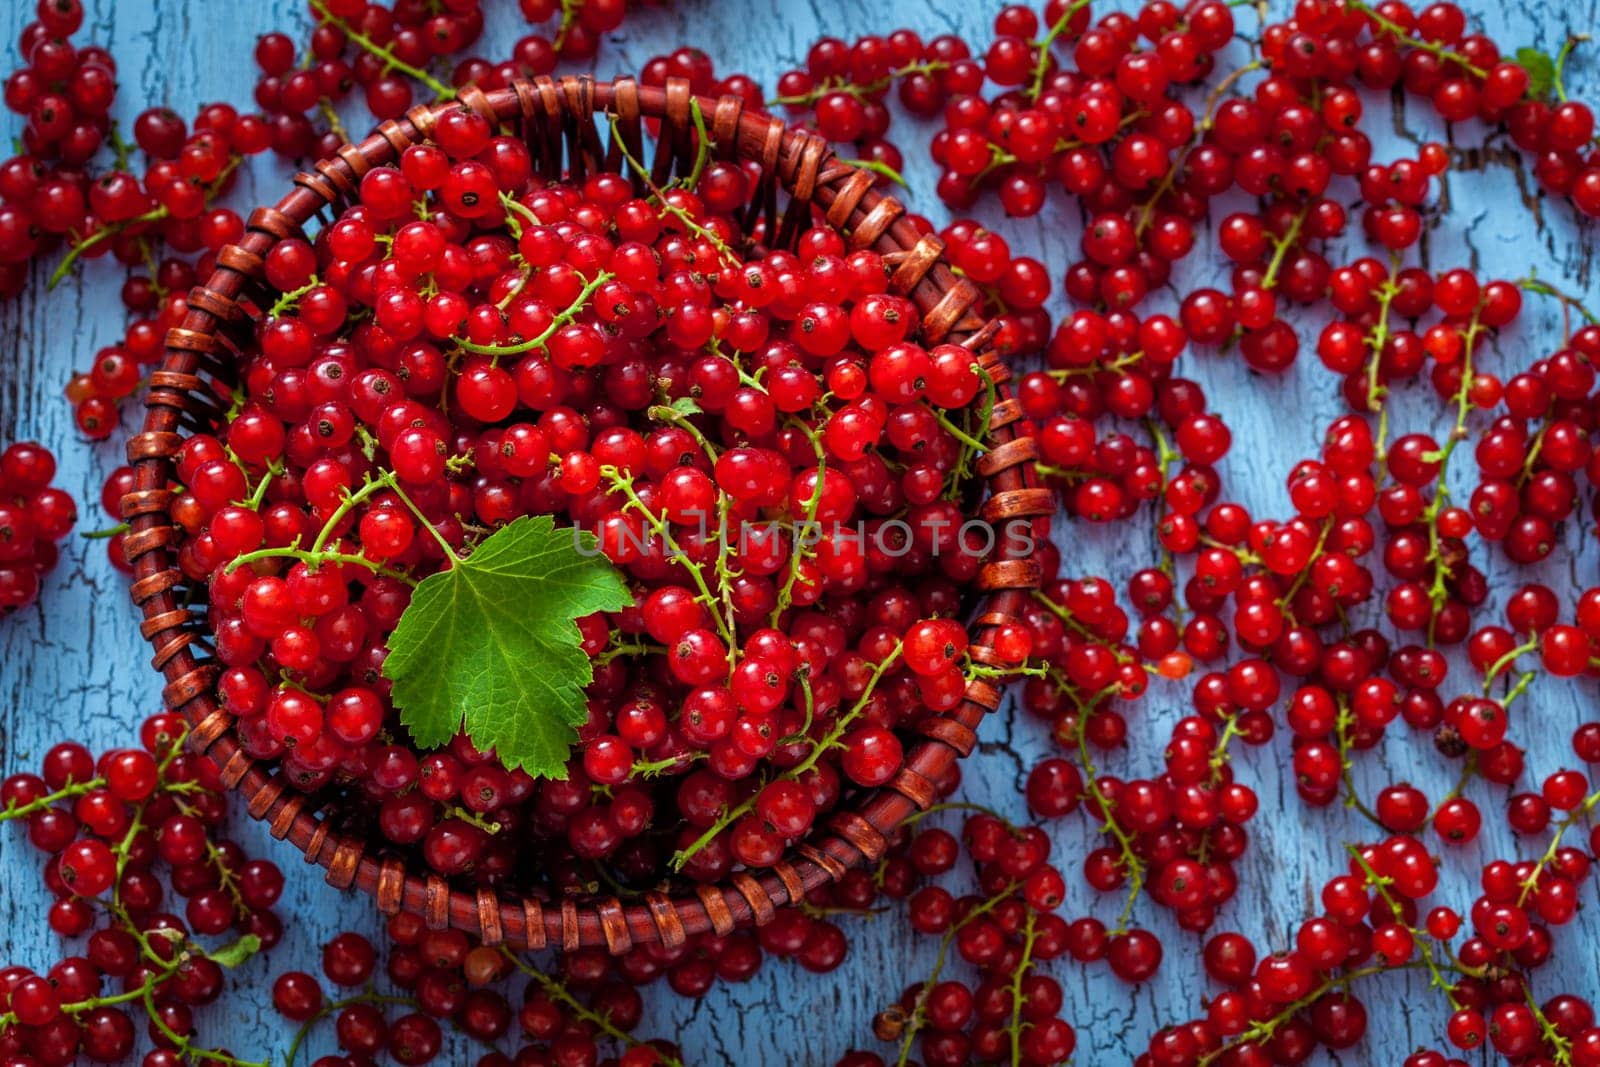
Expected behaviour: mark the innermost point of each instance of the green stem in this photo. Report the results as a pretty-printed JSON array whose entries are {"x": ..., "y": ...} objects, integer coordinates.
[
  {"x": 703, "y": 144},
  {"x": 314, "y": 559},
  {"x": 914, "y": 1024},
  {"x": 292, "y": 298},
  {"x": 66, "y": 792},
  {"x": 1304, "y": 575},
  {"x": 628, "y": 648},
  {"x": 1438, "y": 591},
  {"x": 877, "y": 166},
  {"x": 1469, "y": 767},
  {"x": 1352, "y": 799},
  {"x": 973, "y": 669},
  {"x": 1406, "y": 38},
  {"x": 830, "y": 740},
  {"x": 1505, "y": 661},
  {"x": 680, "y": 419},
  {"x": 1129, "y": 857},
  {"x": 662, "y": 529},
  {"x": 350, "y": 500},
  {"x": 1569, "y": 303},
  {"x": 121, "y": 150},
  {"x": 1029, "y": 935},
  {"x": 183, "y": 1046},
  {"x": 259, "y": 492},
  {"x": 569, "y": 15},
  {"x": 652, "y": 768},
  {"x": 325, "y": 106},
  {"x": 1561, "y": 63},
  {"x": 1041, "y": 65},
  {"x": 1281, "y": 245},
  {"x": 1168, "y": 180},
  {"x": 1580, "y": 812},
  {"x": 94, "y": 240},
  {"x": 1560, "y": 1045},
  {"x": 726, "y": 575},
  {"x": 970, "y": 451},
  {"x": 1524, "y": 680},
  {"x": 472, "y": 818},
  {"x": 564, "y": 318},
  {"x": 333, "y": 1006},
  {"x": 516, "y": 213},
  {"x": 804, "y": 681},
  {"x": 1121, "y": 363},
  {"x": 786, "y": 593},
  {"x": 1421, "y": 938},
  {"x": 725, "y": 254},
  {"x": 105, "y": 534},
  {"x": 391, "y": 61},
  {"x": 1265, "y": 1029},
  {"x": 848, "y": 88},
  {"x": 558, "y": 992},
  {"x": 1376, "y": 341},
  {"x": 1070, "y": 621},
  {"x": 388, "y": 478},
  {"x": 957, "y": 432}
]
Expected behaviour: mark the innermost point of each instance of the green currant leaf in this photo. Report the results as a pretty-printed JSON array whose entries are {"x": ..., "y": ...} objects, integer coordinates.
[
  {"x": 1541, "y": 71},
  {"x": 491, "y": 643},
  {"x": 235, "y": 952}
]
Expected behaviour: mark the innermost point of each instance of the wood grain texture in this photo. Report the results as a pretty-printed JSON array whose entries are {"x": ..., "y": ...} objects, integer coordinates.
[{"x": 75, "y": 666}]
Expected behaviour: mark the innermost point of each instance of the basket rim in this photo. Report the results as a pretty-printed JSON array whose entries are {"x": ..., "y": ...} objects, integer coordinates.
[{"x": 554, "y": 114}]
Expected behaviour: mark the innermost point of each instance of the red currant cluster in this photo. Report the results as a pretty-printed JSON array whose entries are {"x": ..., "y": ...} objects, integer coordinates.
[
  {"x": 51, "y": 194},
  {"x": 844, "y": 88},
  {"x": 64, "y": 95},
  {"x": 387, "y": 52},
  {"x": 1281, "y": 1007},
  {"x": 1010, "y": 1011},
  {"x": 1177, "y": 834},
  {"x": 1007, "y": 932},
  {"x": 109, "y": 827},
  {"x": 1102, "y": 129},
  {"x": 34, "y": 516},
  {"x": 1016, "y": 287},
  {"x": 1292, "y": 582},
  {"x": 118, "y": 370},
  {"x": 566, "y": 1017}
]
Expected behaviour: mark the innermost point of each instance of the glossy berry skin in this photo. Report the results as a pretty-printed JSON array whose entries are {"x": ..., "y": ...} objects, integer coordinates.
[{"x": 296, "y": 996}]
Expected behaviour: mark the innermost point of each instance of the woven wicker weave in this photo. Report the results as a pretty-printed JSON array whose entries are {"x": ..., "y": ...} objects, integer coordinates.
[{"x": 557, "y": 119}]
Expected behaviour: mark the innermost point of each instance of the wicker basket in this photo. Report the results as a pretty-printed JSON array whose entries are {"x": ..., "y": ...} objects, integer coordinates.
[{"x": 557, "y": 119}]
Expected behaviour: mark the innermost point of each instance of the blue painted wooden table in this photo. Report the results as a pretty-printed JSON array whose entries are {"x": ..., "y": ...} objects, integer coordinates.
[{"x": 74, "y": 666}]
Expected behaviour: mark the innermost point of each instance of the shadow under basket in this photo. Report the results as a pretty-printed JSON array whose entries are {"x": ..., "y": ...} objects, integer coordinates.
[{"x": 557, "y": 118}]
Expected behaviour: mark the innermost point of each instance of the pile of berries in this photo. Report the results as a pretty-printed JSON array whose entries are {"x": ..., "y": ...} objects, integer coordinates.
[
  {"x": 34, "y": 517},
  {"x": 136, "y": 863},
  {"x": 632, "y": 364},
  {"x": 988, "y": 998},
  {"x": 565, "y": 1017},
  {"x": 619, "y": 361},
  {"x": 1281, "y": 1006},
  {"x": 64, "y": 96},
  {"x": 61, "y": 199}
]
